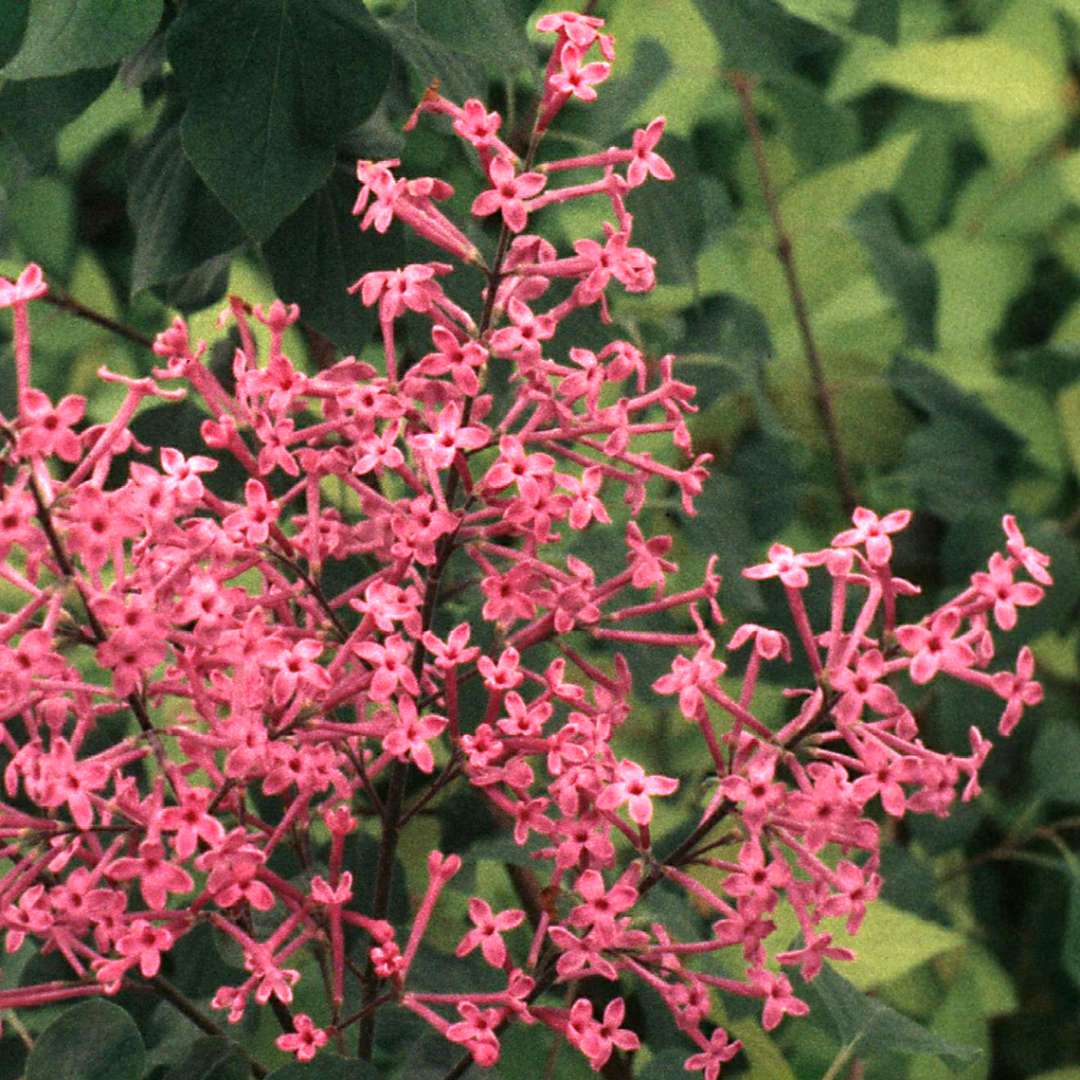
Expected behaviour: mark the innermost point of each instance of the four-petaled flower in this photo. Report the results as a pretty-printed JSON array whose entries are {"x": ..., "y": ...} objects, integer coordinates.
[
  {"x": 488, "y": 931},
  {"x": 507, "y": 193}
]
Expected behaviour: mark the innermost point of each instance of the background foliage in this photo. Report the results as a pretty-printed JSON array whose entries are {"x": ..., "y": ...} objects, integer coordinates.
[{"x": 157, "y": 154}]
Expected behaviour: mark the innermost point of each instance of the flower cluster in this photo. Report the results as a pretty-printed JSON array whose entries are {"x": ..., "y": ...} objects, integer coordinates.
[{"x": 205, "y": 620}]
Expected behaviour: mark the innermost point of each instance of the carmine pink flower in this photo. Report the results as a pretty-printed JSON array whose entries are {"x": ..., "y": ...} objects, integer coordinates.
[
  {"x": 488, "y": 931},
  {"x": 29, "y": 286},
  {"x": 874, "y": 533},
  {"x": 933, "y": 647},
  {"x": 575, "y": 80},
  {"x": 787, "y": 566},
  {"x": 1005, "y": 594},
  {"x": 157, "y": 877},
  {"x": 45, "y": 428},
  {"x": 1033, "y": 561},
  {"x": 305, "y": 1041},
  {"x": 714, "y": 1054},
  {"x": 645, "y": 161},
  {"x": 410, "y": 733},
  {"x": 448, "y": 437},
  {"x": 251, "y": 523},
  {"x": 688, "y": 677},
  {"x": 633, "y": 787},
  {"x": 602, "y": 905},
  {"x": 861, "y": 687},
  {"x": 507, "y": 193},
  {"x": 779, "y": 999},
  {"x": 597, "y": 1038},
  {"x": 1017, "y": 689},
  {"x": 146, "y": 943}
]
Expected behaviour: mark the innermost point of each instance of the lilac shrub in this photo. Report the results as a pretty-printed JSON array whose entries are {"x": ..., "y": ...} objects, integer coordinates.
[{"x": 207, "y": 622}]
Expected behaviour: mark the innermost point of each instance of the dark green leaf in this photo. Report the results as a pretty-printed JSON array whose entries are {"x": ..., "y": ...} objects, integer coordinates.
[
  {"x": 952, "y": 467},
  {"x": 820, "y": 132},
  {"x": 211, "y": 1059},
  {"x": 327, "y": 1067},
  {"x": 289, "y": 79},
  {"x": 12, "y": 27},
  {"x": 63, "y": 36},
  {"x": 432, "y": 59},
  {"x": 199, "y": 288},
  {"x": 179, "y": 222},
  {"x": 880, "y": 18},
  {"x": 94, "y": 1040},
  {"x": 1070, "y": 946},
  {"x": 902, "y": 271},
  {"x": 318, "y": 252},
  {"x": 757, "y": 36},
  {"x": 934, "y": 395},
  {"x": 490, "y": 32},
  {"x": 1055, "y": 760},
  {"x": 876, "y": 1028},
  {"x": 33, "y": 112}
]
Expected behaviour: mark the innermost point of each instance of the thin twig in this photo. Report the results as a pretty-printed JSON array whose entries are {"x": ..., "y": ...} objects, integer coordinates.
[
  {"x": 183, "y": 1004},
  {"x": 64, "y": 302},
  {"x": 743, "y": 85}
]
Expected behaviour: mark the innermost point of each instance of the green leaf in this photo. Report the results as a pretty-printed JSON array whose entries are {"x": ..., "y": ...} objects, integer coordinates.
[
  {"x": 327, "y": 1067},
  {"x": 976, "y": 70},
  {"x": 33, "y": 112},
  {"x": 1055, "y": 760},
  {"x": 880, "y": 18},
  {"x": 834, "y": 194},
  {"x": 829, "y": 14},
  {"x": 1068, "y": 407},
  {"x": 757, "y": 36},
  {"x": 490, "y": 33},
  {"x": 12, "y": 28},
  {"x": 179, "y": 222},
  {"x": 290, "y": 79},
  {"x": 873, "y": 1026},
  {"x": 211, "y": 1059},
  {"x": 94, "y": 1040},
  {"x": 63, "y": 36},
  {"x": 458, "y": 75},
  {"x": 43, "y": 217},
  {"x": 319, "y": 251},
  {"x": 902, "y": 271}
]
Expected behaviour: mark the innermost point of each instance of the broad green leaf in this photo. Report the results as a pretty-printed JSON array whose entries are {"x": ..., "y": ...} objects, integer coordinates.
[
  {"x": 1068, "y": 1073},
  {"x": 1069, "y": 172},
  {"x": 874, "y": 1027},
  {"x": 998, "y": 203},
  {"x": 830, "y": 14},
  {"x": 756, "y": 37},
  {"x": 12, "y": 28},
  {"x": 976, "y": 70},
  {"x": 1068, "y": 407},
  {"x": 879, "y": 17},
  {"x": 902, "y": 271},
  {"x": 33, "y": 112},
  {"x": 211, "y": 1059},
  {"x": 492, "y": 33},
  {"x": 118, "y": 108},
  {"x": 766, "y": 1060},
  {"x": 63, "y": 36},
  {"x": 327, "y": 1066},
  {"x": 291, "y": 78},
  {"x": 958, "y": 1023},
  {"x": 459, "y": 76},
  {"x": 890, "y": 943},
  {"x": 43, "y": 216},
  {"x": 977, "y": 279},
  {"x": 94, "y": 1040},
  {"x": 833, "y": 194},
  {"x": 179, "y": 222},
  {"x": 691, "y": 90},
  {"x": 319, "y": 251},
  {"x": 989, "y": 985},
  {"x": 1055, "y": 760}
]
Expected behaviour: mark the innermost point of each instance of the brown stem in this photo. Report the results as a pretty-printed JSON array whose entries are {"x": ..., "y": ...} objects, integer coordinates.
[
  {"x": 743, "y": 85},
  {"x": 68, "y": 303}
]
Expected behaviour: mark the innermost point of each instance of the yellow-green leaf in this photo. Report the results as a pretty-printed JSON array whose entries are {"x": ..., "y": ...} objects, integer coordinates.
[
  {"x": 977, "y": 70},
  {"x": 1068, "y": 406}
]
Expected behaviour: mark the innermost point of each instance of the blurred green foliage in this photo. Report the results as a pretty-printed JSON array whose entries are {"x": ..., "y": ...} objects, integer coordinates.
[{"x": 926, "y": 159}]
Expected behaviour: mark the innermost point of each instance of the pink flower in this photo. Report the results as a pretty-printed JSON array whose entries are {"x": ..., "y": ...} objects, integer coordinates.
[
  {"x": 714, "y": 1054},
  {"x": 933, "y": 648},
  {"x": 447, "y": 437},
  {"x": 874, "y": 533},
  {"x": 597, "y": 1038},
  {"x": 635, "y": 788},
  {"x": 156, "y": 876},
  {"x": 146, "y": 943},
  {"x": 1033, "y": 561},
  {"x": 29, "y": 286},
  {"x": 1005, "y": 594},
  {"x": 646, "y": 162},
  {"x": 861, "y": 687},
  {"x": 305, "y": 1041},
  {"x": 410, "y": 733},
  {"x": 251, "y": 524},
  {"x": 476, "y": 1030},
  {"x": 507, "y": 193},
  {"x": 603, "y": 905},
  {"x": 45, "y": 429},
  {"x": 785, "y": 564},
  {"x": 1017, "y": 689},
  {"x": 576, "y": 80},
  {"x": 488, "y": 931},
  {"x": 779, "y": 1000}
]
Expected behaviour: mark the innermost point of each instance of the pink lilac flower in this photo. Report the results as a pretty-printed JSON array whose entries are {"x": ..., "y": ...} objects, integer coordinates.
[
  {"x": 304, "y": 1041},
  {"x": 508, "y": 193},
  {"x": 488, "y": 931}
]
